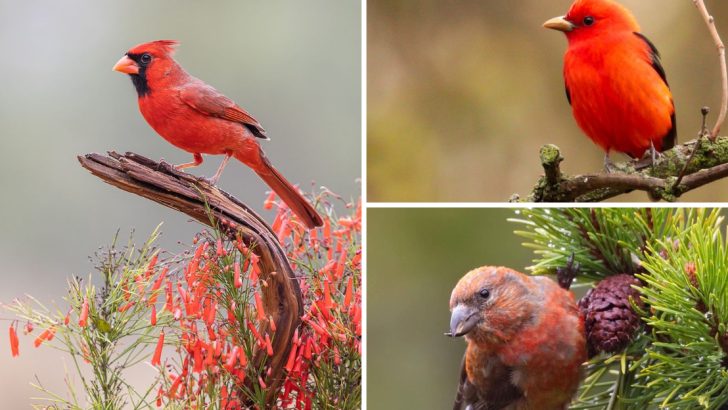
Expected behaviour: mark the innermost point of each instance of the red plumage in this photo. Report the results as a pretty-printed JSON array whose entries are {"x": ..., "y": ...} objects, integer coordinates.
[
  {"x": 614, "y": 79},
  {"x": 195, "y": 117},
  {"x": 525, "y": 339}
]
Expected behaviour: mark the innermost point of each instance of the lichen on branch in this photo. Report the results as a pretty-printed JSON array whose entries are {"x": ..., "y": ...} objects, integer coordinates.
[{"x": 698, "y": 163}]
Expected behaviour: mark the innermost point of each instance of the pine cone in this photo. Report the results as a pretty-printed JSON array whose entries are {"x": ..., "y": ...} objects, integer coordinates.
[{"x": 610, "y": 322}]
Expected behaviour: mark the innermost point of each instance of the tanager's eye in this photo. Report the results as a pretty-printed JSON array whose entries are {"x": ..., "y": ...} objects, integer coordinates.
[
  {"x": 145, "y": 58},
  {"x": 588, "y": 20},
  {"x": 484, "y": 293}
]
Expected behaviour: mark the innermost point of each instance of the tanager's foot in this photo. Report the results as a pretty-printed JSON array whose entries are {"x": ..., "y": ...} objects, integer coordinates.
[{"x": 608, "y": 165}]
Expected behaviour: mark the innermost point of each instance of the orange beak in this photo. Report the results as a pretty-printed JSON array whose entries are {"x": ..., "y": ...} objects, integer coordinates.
[{"x": 126, "y": 65}]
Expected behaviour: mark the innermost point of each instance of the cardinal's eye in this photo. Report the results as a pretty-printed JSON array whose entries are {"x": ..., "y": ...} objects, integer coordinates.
[
  {"x": 588, "y": 20},
  {"x": 484, "y": 293},
  {"x": 145, "y": 58}
]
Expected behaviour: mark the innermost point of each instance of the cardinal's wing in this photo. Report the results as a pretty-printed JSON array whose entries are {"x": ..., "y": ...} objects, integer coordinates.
[{"x": 209, "y": 101}]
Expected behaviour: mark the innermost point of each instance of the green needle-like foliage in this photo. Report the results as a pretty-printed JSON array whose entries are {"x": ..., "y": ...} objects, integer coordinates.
[
  {"x": 109, "y": 337},
  {"x": 687, "y": 291},
  {"x": 680, "y": 358}
]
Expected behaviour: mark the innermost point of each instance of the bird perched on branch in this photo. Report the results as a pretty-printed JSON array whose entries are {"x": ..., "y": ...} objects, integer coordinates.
[
  {"x": 525, "y": 339},
  {"x": 195, "y": 117},
  {"x": 615, "y": 81}
]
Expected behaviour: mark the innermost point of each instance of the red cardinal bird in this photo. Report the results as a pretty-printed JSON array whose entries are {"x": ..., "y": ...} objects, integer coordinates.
[
  {"x": 525, "y": 340},
  {"x": 197, "y": 118},
  {"x": 615, "y": 82}
]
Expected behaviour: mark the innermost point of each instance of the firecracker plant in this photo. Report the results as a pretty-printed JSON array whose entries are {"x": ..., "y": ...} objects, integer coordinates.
[
  {"x": 198, "y": 322},
  {"x": 656, "y": 306}
]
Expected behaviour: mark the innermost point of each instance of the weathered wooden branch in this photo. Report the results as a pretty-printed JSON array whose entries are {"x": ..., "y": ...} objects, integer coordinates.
[
  {"x": 661, "y": 181},
  {"x": 161, "y": 183}
]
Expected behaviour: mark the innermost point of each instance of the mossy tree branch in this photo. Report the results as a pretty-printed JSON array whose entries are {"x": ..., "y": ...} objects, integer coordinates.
[
  {"x": 701, "y": 164},
  {"x": 161, "y": 183}
]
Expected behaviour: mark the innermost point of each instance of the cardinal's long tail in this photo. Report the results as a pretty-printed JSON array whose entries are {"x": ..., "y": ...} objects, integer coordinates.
[{"x": 289, "y": 194}]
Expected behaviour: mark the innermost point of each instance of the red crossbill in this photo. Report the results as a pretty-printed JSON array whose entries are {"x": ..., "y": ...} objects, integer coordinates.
[{"x": 525, "y": 339}]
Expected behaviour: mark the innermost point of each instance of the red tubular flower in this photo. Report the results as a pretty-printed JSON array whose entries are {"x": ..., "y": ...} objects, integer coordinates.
[
  {"x": 210, "y": 358},
  {"x": 14, "y": 342},
  {"x": 340, "y": 265},
  {"x": 45, "y": 336},
  {"x": 224, "y": 397},
  {"x": 175, "y": 385},
  {"x": 153, "y": 320},
  {"x": 126, "y": 307},
  {"x": 259, "y": 307},
  {"x": 236, "y": 279},
  {"x": 255, "y": 272},
  {"x": 313, "y": 239},
  {"x": 268, "y": 345},
  {"x": 254, "y": 331},
  {"x": 169, "y": 303},
  {"x": 220, "y": 251},
  {"x": 231, "y": 357},
  {"x": 327, "y": 295},
  {"x": 150, "y": 266},
  {"x": 83, "y": 318},
  {"x": 157, "y": 358},
  {"x": 197, "y": 354},
  {"x": 272, "y": 323},
  {"x": 291, "y": 359},
  {"x": 349, "y": 291},
  {"x": 268, "y": 204}
]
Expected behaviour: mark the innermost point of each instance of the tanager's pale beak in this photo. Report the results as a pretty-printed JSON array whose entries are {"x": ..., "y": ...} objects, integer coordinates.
[
  {"x": 559, "y": 23},
  {"x": 126, "y": 65}
]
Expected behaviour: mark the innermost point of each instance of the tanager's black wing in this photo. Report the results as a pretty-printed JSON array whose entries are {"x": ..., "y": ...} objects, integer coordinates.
[{"x": 669, "y": 140}]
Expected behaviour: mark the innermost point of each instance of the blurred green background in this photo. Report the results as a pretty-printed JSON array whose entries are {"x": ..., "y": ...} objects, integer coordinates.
[
  {"x": 296, "y": 66},
  {"x": 414, "y": 259},
  {"x": 461, "y": 95}
]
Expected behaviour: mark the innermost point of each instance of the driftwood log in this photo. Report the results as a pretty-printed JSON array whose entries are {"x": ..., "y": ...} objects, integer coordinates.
[{"x": 161, "y": 183}]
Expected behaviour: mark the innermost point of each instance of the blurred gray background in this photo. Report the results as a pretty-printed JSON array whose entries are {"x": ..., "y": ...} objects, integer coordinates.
[
  {"x": 461, "y": 95},
  {"x": 295, "y": 66}
]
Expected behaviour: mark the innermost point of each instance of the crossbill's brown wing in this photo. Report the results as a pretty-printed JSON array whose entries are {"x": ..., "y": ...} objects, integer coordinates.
[{"x": 498, "y": 395}]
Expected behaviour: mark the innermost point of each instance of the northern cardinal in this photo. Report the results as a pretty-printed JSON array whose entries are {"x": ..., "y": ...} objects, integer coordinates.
[
  {"x": 197, "y": 118},
  {"x": 615, "y": 82},
  {"x": 525, "y": 341}
]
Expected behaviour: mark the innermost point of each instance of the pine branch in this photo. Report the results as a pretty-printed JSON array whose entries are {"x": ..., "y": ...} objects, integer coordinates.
[
  {"x": 161, "y": 183},
  {"x": 600, "y": 243},
  {"x": 686, "y": 289},
  {"x": 680, "y": 358},
  {"x": 698, "y": 163}
]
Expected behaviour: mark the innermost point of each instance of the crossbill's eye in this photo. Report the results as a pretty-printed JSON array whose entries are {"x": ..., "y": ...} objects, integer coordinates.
[
  {"x": 145, "y": 58},
  {"x": 588, "y": 20},
  {"x": 484, "y": 293}
]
